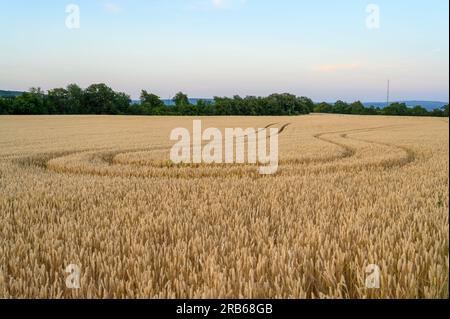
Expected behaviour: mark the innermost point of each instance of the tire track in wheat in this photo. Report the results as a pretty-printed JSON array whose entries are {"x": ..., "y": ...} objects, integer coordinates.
[
  {"x": 332, "y": 166},
  {"x": 118, "y": 163},
  {"x": 106, "y": 163}
]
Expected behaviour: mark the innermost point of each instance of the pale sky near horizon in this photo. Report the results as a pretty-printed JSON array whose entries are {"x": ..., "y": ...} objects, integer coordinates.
[{"x": 322, "y": 49}]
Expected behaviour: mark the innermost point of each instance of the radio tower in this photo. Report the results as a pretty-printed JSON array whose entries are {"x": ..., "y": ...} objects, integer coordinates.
[{"x": 388, "y": 92}]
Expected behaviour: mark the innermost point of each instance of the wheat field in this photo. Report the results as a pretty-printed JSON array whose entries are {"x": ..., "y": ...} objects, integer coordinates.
[{"x": 100, "y": 192}]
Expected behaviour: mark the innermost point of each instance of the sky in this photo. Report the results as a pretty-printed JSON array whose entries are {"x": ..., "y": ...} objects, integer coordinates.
[{"x": 324, "y": 49}]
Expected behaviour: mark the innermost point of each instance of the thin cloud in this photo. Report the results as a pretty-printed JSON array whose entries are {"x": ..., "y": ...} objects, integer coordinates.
[
  {"x": 327, "y": 68},
  {"x": 220, "y": 4},
  {"x": 214, "y": 4},
  {"x": 112, "y": 8}
]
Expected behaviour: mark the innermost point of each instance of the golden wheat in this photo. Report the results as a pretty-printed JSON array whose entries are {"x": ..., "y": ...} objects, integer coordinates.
[{"x": 101, "y": 192}]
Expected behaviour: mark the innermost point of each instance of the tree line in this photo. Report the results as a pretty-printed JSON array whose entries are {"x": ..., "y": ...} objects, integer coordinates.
[
  {"x": 103, "y": 100},
  {"x": 396, "y": 109}
]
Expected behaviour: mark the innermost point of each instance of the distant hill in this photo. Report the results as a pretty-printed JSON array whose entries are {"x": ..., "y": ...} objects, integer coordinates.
[
  {"x": 169, "y": 102},
  {"x": 429, "y": 105},
  {"x": 194, "y": 101},
  {"x": 10, "y": 93}
]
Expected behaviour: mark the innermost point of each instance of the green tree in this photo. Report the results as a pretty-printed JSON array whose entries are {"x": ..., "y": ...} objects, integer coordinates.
[
  {"x": 58, "y": 101},
  {"x": 205, "y": 107},
  {"x": 372, "y": 110},
  {"x": 66, "y": 101},
  {"x": 396, "y": 109},
  {"x": 306, "y": 105},
  {"x": 101, "y": 99},
  {"x": 121, "y": 102},
  {"x": 340, "y": 107},
  {"x": 418, "y": 111},
  {"x": 76, "y": 100},
  {"x": 357, "y": 108},
  {"x": 323, "y": 108},
  {"x": 151, "y": 103},
  {"x": 437, "y": 113},
  {"x": 445, "y": 110},
  {"x": 5, "y": 106},
  {"x": 181, "y": 99},
  {"x": 223, "y": 105},
  {"x": 30, "y": 103}
]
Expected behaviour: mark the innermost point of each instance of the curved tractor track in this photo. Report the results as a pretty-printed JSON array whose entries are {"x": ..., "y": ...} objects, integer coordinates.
[
  {"x": 150, "y": 163},
  {"x": 348, "y": 160}
]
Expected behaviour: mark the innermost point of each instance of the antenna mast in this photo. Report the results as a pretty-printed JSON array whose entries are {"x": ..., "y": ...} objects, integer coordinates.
[{"x": 388, "y": 91}]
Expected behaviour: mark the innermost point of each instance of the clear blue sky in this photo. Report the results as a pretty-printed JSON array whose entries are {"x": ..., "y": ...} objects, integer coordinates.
[{"x": 322, "y": 48}]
